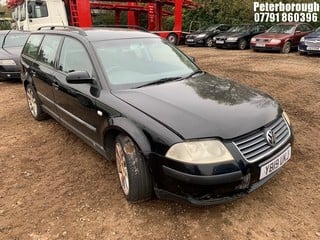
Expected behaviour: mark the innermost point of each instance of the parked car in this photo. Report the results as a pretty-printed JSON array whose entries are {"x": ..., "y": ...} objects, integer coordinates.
[
  {"x": 11, "y": 43},
  {"x": 204, "y": 37},
  {"x": 172, "y": 129},
  {"x": 281, "y": 37},
  {"x": 310, "y": 43},
  {"x": 239, "y": 36}
]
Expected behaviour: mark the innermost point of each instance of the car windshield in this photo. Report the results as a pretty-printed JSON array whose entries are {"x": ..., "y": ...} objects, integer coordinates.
[
  {"x": 241, "y": 28},
  {"x": 130, "y": 63},
  {"x": 287, "y": 29},
  {"x": 15, "y": 40}
]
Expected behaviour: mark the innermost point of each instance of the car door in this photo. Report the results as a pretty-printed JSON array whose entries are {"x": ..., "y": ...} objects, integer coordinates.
[
  {"x": 76, "y": 102},
  {"x": 41, "y": 70},
  {"x": 298, "y": 33}
]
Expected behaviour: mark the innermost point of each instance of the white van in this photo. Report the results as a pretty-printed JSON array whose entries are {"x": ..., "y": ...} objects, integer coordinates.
[{"x": 32, "y": 14}]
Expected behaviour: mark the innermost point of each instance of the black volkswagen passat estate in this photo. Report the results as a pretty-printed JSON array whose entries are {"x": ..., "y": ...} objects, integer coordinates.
[{"x": 172, "y": 129}]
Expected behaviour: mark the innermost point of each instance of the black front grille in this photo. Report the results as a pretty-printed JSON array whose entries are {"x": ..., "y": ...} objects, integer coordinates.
[
  {"x": 313, "y": 44},
  {"x": 264, "y": 40},
  {"x": 221, "y": 38},
  {"x": 255, "y": 146}
]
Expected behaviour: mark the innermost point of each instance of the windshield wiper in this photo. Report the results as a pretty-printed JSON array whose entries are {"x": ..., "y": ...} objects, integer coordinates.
[
  {"x": 191, "y": 75},
  {"x": 170, "y": 79},
  {"x": 160, "y": 81}
]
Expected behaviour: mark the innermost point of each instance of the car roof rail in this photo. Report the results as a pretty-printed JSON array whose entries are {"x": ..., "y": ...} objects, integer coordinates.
[
  {"x": 71, "y": 28},
  {"x": 136, "y": 27}
]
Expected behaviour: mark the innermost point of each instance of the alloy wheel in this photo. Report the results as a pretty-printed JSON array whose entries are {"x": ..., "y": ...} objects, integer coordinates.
[
  {"x": 32, "y": 102},
  {"x": 122, "y": 169}
]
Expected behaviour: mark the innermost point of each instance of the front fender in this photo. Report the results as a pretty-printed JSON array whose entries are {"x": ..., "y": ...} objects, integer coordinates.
[{"x": 125, "y": 125}]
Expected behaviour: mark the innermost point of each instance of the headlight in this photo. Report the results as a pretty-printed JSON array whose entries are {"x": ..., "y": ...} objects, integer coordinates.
[
  {"x": 200, "y": 152},
  {"x": 201, "y": 35},
  {"x": 275, "y": 41},
  {"x": 302, "y": 39},
  {"x": 286, "y": 117},
  {"x": 7, "y": 62},
  {"x": 232, "y": 39},
  {"x": 253, "y": 40},
  {"x": 214, "y": 39}
]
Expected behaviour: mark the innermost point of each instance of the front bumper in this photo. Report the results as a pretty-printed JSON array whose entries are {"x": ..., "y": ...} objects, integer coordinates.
[
  {"x": 195, "y": 41},
  {"x": 304, "y": 48},
  {"x": 267, "y": 47},
  {"x": 226, "y": 44},
  {"x": 9, "y": 73},
  {"x": 210, "y": 184}
]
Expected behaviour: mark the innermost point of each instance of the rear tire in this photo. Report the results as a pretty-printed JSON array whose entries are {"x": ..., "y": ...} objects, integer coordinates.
[
  {"x": 173, "y": 38},
  {"x": 133, "y": 173},
  {"x": 34, "y": 104}
]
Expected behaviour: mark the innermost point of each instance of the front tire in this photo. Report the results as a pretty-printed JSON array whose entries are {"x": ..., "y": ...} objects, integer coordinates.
[
  {"x": 133, "y": 173},
  {"x": 209, "y": 42},
  {"x": 242, "y": 45},
  {"x": 34, "y": 104},
  {"x": 286, "y": 48}
]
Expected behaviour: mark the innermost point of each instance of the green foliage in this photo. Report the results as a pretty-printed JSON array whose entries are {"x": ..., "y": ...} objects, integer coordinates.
[{"x": 231, "y": 11}]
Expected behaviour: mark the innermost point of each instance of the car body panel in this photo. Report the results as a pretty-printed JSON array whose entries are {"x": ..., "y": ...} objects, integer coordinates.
[
  {"x": 263, "y": 41},
  {"x": 233, "y": 102},
  {"x": 199, "y": 38},
  {"x": 10, "y": 52},
  {"x": 160, "y": 115},
  {"x": 221, "y": 40},
  {"x": 310, "y": 43}
]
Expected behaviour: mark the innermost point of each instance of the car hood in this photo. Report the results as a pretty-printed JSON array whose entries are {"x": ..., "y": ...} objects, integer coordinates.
[
  {"x": 272, "y": 35},
  {"x": 313, "y": 35},
  {"x": 203, "y": 107},
  {"x": 232, "y": 34},
  {"x": 195, "y": 34},
  {"x": 11, "y": 53}
]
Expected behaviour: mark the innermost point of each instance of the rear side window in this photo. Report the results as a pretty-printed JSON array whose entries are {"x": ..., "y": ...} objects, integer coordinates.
[
  {"x": 49, "y": 48},
  {"x": 32, "y": 45}
]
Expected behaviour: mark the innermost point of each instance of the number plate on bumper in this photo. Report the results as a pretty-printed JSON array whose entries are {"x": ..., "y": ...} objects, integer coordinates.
[{"x": 275, "y": 164}]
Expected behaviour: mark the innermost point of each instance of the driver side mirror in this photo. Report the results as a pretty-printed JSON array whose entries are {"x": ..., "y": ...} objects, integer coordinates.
[
  {"x": 79, "y": 77},
  {"x": 297, "y": 32}
]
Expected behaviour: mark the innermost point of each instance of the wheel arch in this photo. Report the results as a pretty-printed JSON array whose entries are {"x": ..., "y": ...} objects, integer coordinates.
[
  {"x": 27, "y": 80},
  {"x": 121, "y": 125}
]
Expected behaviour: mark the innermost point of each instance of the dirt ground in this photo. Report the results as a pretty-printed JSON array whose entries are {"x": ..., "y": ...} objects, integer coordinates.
[{"x": 53, "y": 186}]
